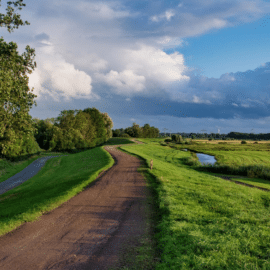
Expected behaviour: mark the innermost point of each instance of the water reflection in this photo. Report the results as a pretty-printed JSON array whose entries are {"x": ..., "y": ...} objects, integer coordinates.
[{"x": 206, "y": 159}]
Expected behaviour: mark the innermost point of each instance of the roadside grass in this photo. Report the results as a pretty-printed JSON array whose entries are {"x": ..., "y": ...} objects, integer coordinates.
[
  {"x": 205, "y": 222},
  {"x": 9, "y": 168},
  {"x": 60, "y": 179}
]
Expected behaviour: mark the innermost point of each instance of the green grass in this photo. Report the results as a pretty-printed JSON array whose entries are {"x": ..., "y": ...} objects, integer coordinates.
[
  {"x": 205, "y": 222},
  {"x": 8, "y": 168},
  {"x": 60, "y": 179},
  {"x": 255, "y": 182}
]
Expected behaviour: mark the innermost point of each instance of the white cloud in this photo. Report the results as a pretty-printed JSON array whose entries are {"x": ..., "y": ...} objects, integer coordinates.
[
  {"x": 245, "y": 105},
  {"x": 234, "y": 104},
  {"x": 143, "y": 68},
  {"x": 156, "y": 64},
  {"x": 125, "y": 82},
  {"x": 53, "y": 72}
]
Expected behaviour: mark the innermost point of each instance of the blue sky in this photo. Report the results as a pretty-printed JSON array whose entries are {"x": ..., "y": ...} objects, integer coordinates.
[{"x": 185, "y": 65}]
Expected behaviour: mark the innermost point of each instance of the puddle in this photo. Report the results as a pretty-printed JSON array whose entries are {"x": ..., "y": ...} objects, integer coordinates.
[{"x": 206, "y": 159}]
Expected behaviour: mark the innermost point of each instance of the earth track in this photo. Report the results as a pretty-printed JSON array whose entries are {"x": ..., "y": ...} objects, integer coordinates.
[{"x": 89, "y": 230}]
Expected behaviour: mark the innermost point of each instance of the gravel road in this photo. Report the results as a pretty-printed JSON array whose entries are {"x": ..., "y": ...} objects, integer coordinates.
[{"x": 25, "y": 174}]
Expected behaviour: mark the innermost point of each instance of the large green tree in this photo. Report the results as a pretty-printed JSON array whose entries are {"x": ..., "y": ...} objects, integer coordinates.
[
  {"x": 99, "y": 124},
  {"x": 16, "y": 129},
  {"x": 16, "y": 126}
]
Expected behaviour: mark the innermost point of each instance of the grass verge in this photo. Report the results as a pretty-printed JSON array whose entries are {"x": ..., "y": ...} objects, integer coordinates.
[
  {"x": 205, "y": 222},
  {"x": 59, "y": 180}
]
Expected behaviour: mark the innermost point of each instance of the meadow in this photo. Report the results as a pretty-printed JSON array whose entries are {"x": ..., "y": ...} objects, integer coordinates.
[{"x": 204, "y": 221}]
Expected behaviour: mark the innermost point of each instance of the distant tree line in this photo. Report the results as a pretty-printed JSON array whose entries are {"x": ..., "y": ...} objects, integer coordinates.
[
  {"x": 136, "y": 131},
  {"x": 229, "y": 136}
]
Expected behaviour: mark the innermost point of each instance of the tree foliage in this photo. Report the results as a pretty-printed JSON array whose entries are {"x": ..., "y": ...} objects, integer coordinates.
[
  {"x": 15, "y": 97},
  {"x": 137, "y": 132}
]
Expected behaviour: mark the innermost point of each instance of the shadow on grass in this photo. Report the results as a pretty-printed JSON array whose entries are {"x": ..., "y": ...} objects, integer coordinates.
[{"x": 148, "y": 252}]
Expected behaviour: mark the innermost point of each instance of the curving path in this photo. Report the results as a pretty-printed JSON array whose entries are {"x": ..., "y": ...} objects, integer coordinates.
[
  {"x": 88, "y": 231},
  {"x": 25, "y": 174}
]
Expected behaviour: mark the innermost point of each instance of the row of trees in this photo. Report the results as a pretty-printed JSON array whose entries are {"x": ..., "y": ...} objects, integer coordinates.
[
  {"x": 249, "y": 136},
  {"x": 137, "y": 132},
  {"x": 73, "y": 129},
  {"x": 20, "y": 134}
]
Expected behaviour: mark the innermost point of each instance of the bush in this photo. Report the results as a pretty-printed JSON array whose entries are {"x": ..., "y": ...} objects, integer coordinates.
[
  {"x": 256, "y": 142},
  {"x": 244, "y": 142},
  {"x": 125, "y": 135},
  {"x": 167, "y": 140},
  {"x": 210, "y": 139}
]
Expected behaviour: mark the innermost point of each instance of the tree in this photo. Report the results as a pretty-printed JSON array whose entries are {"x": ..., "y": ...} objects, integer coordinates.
[
  {"x": 108, "y": 125},
  {"x": 137, "y": 130},
  {"x": 99, "y": 124},
  {"x": 15, "y": 97}
]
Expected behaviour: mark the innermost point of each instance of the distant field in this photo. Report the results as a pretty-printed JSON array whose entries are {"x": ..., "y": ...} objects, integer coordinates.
[
  {"x": 229, "y": 141},
  {"x": 238, "y": 158}
]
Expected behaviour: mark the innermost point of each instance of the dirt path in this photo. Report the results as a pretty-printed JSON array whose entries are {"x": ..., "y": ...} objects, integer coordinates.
[{"x": 87, "y": 231}]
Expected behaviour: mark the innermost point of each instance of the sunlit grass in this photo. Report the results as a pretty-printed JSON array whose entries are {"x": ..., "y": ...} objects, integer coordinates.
[
  {"x": 205, "y": 222},
  {"x": 60, "y": 179}
]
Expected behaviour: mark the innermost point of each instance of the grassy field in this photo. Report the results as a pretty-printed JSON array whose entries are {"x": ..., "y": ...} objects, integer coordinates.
[{"x": 204, "y": 222}]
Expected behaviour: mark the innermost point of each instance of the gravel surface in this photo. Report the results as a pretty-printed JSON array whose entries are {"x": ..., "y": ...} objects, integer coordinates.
[{"x": 25, "y": 174}]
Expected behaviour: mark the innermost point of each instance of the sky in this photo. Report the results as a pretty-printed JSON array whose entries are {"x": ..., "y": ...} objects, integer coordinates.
[{"x": 180, "y": 66}]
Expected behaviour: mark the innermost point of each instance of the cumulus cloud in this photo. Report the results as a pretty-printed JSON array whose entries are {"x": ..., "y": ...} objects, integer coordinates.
[
  {"x": 143, "y": 67},
  {"x": 56, "y": 77},
  {"x": 124, "y": 82}
]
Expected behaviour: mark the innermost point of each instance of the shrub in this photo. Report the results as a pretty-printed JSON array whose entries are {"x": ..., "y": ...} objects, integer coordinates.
[
  {"x": 244, "y": 142},
  {"x": 125, "y": 135},
  {"x": 167, "y": 140}
]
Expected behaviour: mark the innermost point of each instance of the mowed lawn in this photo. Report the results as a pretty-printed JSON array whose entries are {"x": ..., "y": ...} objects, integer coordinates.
[{"x": 205, "y": 222}]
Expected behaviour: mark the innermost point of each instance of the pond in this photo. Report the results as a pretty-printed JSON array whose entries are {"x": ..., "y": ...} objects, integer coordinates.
[{"x": 206, "y": 159}]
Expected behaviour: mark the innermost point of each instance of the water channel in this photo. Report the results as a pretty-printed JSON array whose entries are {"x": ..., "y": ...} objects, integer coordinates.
[{"x": 206, "y": 159}]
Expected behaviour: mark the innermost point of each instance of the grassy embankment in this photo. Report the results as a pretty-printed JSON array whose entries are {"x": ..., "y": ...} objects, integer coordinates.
[
  {"x": 60, "y": 179},
  {"x": 204, "y": 222}
]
